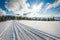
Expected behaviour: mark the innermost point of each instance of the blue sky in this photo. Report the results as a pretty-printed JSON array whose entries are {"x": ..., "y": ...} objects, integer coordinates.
[
  {"x": 2, "y": 6},
  {"x": 32, "y": 8}
]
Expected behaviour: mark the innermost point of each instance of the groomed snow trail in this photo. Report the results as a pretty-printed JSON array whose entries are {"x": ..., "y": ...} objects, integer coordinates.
[{"x": 18, "y": 31}]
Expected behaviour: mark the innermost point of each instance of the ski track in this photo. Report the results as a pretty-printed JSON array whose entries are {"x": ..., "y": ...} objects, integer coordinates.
[{"x": 18, "y": 31}]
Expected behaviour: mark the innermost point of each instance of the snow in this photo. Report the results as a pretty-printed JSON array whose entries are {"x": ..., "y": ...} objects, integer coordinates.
[
  {"x": 51, "y": 27},
  {"x": 4, "y": 25},
  {"x": 13, "y": 30}
]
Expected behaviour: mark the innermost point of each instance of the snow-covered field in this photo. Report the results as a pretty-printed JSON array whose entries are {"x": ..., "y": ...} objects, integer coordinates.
[
  {"x": 51, "y": 27},
  {"x": 4, "y": 25},
  {"x": 26, "y": 30}
]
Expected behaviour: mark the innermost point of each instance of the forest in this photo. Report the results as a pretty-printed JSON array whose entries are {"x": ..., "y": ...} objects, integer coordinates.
[{"x": 10, "y": 17}]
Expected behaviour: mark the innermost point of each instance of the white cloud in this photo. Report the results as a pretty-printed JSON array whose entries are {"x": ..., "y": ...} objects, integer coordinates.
[
  {"x": 21, "y": 7},
  {"x": 34, "y": 11},
  {"x": 49, "y": 6},
  {"x": 17, "y": 6},
  {"x": 37, "y": 8},
  {"x": 55, "y": 4},
  {"x": 43, "y": 15},
  {"x": 2, "y": 12}
]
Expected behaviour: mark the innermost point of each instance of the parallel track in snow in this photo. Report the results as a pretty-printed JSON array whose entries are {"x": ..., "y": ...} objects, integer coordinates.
[{"x": 18, "y": 31}]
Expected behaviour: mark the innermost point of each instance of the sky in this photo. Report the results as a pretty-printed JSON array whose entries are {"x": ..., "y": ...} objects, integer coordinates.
[{"x": 31, "y": 8}]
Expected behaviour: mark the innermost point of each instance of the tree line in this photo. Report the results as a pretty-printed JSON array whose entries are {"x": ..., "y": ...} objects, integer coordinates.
[{"x": 10, "y": 17}]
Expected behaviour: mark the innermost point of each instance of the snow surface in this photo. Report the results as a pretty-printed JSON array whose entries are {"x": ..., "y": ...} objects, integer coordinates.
[
  {"x": 4, "y": 25},
  {"x": 16, "y": 30},
  {"x": 51, "y": 27}
]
